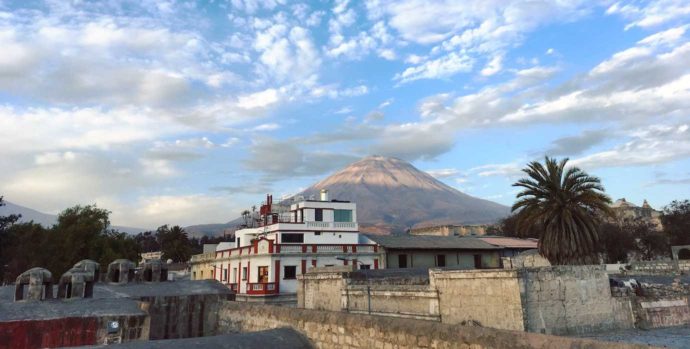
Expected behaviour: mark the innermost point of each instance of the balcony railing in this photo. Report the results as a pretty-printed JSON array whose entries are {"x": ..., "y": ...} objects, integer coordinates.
[
  {"x": 234, "y": 287},
  {"x": 321, "y": 225},
  {"x": 261, "y": 288},
  {"x": 204, "y": 257}
]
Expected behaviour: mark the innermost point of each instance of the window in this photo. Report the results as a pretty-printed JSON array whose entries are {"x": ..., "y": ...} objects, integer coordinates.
[
  {"x": 478, "y": 261},
  {"x": 202, "y": 274},
  {"x": 292, "y": 238},
  {"x": 441, "y": 260},
  {"x": 318, "y": 215},
  {"x": 225, "y": 275},
  {"x": 244, "y": 273},
  {"x": 402, "y": 261},
  {"x": 329, "y": 265},
  {"x": 234, "y": 274},
  {"x": 262, "y": 275},
  {"x": 194, "y": 276},
  {"x": 290, "y": 272},
  {"x": 317, "y": 233},
  {"x": 342, "y": 215},
  {"x": 365, "y": 267}
]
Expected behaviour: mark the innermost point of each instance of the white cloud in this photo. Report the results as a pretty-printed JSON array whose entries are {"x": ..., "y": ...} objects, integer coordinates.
[
  {"x": 266, "y": 127},
  {"x": 444, "y": 172},
  {"x": 443, "y": 67},
  {"x": 260, "y": 99},
  {"x": 651, "y": 13},
  {"x": 493, "y": 66}
]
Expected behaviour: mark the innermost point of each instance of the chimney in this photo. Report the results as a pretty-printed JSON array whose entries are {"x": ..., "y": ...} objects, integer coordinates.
[
  {"x": 324, "y": 194},
  {"x": 120, "y": 271},
  {"x": 76, "y": 283},
  {"x": 39, "y": 282}
]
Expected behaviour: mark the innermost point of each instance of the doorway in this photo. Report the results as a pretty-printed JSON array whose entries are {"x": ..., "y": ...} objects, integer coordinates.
[{"x": 263, "y": 274}]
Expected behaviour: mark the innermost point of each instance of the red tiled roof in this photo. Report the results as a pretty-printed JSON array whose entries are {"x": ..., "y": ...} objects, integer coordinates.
[{"x": 510, "y": 242}]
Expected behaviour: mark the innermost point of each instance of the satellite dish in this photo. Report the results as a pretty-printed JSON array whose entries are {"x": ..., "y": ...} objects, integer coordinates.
[{"x": 169, "y": 261}]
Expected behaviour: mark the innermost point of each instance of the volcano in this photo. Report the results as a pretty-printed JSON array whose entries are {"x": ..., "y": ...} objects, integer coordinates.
[{"x": 393, "y": 196}]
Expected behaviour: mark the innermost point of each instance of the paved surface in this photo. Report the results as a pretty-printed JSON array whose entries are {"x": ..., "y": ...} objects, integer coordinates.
[{"x": 674, "y": 337}]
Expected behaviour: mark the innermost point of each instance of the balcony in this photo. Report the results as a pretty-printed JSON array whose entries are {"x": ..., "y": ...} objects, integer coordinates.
[{"x": 261, "y": 288}]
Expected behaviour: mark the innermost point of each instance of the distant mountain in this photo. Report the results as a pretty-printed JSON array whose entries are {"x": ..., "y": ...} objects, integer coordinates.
[
  {"x": 47, "y": 220},
  {"x": 392, "y": 196},
  {"x": 213, "y": 229}
]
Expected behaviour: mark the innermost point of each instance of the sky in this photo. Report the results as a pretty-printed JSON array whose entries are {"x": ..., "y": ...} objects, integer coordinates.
[{"x": 183, "y": 112}]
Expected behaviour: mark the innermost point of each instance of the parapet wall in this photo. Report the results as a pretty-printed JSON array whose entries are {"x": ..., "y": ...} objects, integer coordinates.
[
  {"x": 570, "y": 300},
  {"x": 482, "y": 297},
  {"x": 329, "y": 330}
]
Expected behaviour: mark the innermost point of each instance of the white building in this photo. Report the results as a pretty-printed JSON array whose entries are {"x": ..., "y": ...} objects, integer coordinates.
[{"x": 265, "y": 260}]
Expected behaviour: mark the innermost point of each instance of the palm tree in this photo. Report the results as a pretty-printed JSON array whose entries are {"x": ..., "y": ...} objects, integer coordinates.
[{"x": 565, "y": 205}]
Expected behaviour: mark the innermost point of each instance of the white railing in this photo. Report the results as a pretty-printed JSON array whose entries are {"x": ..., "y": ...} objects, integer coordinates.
[
  {"x": 290, "y": 248},
  {"x": 365, "y": 249},
  {"x": 329, "y": 248},
  {"x": 344, "y": 225},
  {"x": 318, "y": 224}
]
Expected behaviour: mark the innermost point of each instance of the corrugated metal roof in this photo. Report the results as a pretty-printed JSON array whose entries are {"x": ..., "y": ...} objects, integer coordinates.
[
  {"x": 431, "y": 242},
  {"x": 510, "y": 242}
]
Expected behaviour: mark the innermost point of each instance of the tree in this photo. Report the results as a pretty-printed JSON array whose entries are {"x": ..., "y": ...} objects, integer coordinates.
[
  {"x": 565, "y": 206},
  {"x": 676, "y": 222},
  {"x": 174, "y": 243},
  {"x": 649, "y": 242},
  {"x": 5, "y": 223},
  {"x": 508, "y": 227},
  {"x": 615, "y": 243}
]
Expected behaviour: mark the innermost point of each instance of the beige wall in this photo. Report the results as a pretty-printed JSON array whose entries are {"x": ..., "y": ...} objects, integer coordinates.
[
  {"x": 410, "y": 301},
  {"x": 568, "y": 300},
  {"x": 489, "y": 298},
  {"x": 320, "y": 288}
]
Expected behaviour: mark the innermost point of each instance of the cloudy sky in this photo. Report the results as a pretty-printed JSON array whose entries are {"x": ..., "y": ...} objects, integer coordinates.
[{"x": 185, "y": 112}]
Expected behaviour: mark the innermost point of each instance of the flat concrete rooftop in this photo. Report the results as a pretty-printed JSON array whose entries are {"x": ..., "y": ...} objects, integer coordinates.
[
  {"x": 143, "y": 289},
  {"x": 276, "y": 338},
  {"x": 65, "y": 308}
]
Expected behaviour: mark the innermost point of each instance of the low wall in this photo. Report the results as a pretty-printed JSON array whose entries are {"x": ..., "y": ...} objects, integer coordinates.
[
  {"x": 321, "y": 288},
  {"x": 569, "y": 300},
  {"x": 658, "y": 267},
  {"x": 662, "y": 313},
  {"x": 489, "y": 298},
  {"x": 329, "y": 330},
  {"x": 411, "y": 301}
]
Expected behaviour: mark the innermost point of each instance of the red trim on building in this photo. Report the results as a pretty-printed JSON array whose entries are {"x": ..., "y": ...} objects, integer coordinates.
[
  {"x": 276, "y": 275},
  {"x": 354, "y": 248},
  {"x": 304, "y": 266},
  {"x": 313, "y": 262},
  {"x": 376, "y": 263},
  {"x": 249, "y": 270},
  {"x": 345, "y": 262}
]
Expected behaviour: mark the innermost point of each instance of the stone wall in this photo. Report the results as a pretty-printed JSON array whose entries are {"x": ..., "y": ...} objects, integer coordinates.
[
  {"x": 489, "y": 298},
  {"x": 182, "y": 316},
  {"x": 342, "y": 330},
  {"x": 321, "y": 290},
  {"x": 568, "y": 300},
  {"x": 411, "y": 301},
  {"x": 662, "y": 313}
]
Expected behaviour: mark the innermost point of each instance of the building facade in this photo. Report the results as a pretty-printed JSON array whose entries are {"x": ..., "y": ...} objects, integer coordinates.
[
  {"x": 437, "y": 252},
  {"x": 265, "y": 260}
]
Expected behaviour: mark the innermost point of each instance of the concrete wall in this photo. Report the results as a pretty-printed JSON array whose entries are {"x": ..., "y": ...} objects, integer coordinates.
[
  {"x": 322, "y": 289},
  {"x": 182, "y": 316},
  {"x": 487, "y": 298},
  {"x": 567, "y": 300},
  {"x": 662, "y": 313},
  {"x": 410, "y": 301},
  {"x": 342, "y": 330}
]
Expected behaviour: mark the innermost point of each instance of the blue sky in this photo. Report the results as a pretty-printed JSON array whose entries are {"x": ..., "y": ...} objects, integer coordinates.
[{"x": 188, "y": 112}]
